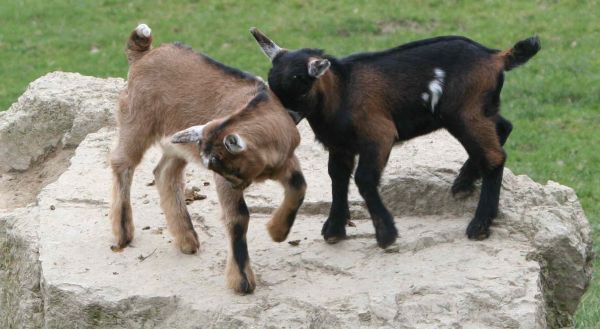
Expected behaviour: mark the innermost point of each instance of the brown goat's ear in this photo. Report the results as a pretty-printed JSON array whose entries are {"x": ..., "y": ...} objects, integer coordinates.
[
  {"x": 270, "y": 48},
  {"x": 234, "y": 143},
  {"x": 318, "y": 67},
  {"x": 190, "y": 135}
]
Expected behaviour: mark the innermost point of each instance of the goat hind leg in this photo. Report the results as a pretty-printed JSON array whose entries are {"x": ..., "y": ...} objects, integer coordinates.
[
  {"x": 368, "y": 173},
  {"x": 469, "y": 173},
  {"x": 123, "y": 166},
  {"x": 483, "y": 144},
  {"x": 464, "y": 183},
  {"x": 168, "y": 176}
]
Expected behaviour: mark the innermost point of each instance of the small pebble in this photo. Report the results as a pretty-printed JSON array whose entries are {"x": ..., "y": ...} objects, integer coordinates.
[
  {"x": 146, "y": 202},
  {"x": 206, "y": 183},
  {"x": 146, "y": 228},
  {"x": 294, "y": 242},
  {"x": 52, "y": 207}
]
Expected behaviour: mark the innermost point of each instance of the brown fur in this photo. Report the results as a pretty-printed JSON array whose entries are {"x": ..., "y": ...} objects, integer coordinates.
[
  {"x": 377, "y": 125},
  {"x": 279, "y": 225},
  {"x": 171, "y": 88},
  {"x": 482, "y": 125}
]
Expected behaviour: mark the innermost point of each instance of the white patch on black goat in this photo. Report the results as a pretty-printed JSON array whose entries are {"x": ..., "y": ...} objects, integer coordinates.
[
  {"x": 435, "y": 88},
  {"x": 425, "y": 97}
]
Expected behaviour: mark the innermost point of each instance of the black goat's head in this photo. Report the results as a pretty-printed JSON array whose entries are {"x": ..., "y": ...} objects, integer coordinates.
[{"x": 294, "y": 72}]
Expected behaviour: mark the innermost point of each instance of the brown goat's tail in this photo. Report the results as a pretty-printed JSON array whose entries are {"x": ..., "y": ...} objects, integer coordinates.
[
  {"x": 520, "y": 53},
  {"x": 139, "y": 43}
]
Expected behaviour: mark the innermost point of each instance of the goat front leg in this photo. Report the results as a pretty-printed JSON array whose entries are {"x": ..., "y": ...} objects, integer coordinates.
[
  {"x": 340, "y": 169},
  {"x": 238, "y": 272},
  {"x": 295, "y": 187},
  {"x": 368, "y": 173}
]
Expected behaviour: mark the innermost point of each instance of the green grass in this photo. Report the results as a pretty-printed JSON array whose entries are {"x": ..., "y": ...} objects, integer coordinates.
[{"x": 553, "y": 101}]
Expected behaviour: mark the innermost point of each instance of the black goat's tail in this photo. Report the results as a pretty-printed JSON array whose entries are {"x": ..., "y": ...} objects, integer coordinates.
[
  {"x": 521, "y": 52},
  {"x": 139, "y": 43}
]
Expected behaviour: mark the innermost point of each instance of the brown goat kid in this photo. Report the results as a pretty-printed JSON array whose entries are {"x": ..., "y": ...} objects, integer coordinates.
[
  {"x": 200, "y": 110},
  {"x": 363, "y": 104}
]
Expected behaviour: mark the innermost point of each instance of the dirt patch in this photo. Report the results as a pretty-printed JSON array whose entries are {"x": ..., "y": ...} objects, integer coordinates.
[{"x": 17, "y": 189}]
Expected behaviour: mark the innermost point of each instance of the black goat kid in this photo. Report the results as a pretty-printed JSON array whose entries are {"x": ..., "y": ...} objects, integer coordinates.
[{"x": 365, "y": 103}]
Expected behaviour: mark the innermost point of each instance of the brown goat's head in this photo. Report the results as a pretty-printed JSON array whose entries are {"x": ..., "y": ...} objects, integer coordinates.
[
  {"x": 293, "y": 73},
  {"x": 252, "y": 144}
]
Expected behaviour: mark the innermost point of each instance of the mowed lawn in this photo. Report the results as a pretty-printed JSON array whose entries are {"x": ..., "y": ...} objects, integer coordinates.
[{"x": 553, "y": 101}]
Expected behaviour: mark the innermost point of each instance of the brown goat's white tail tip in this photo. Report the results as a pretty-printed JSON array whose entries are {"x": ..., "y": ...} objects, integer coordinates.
[{"x": 143, "y": 31}]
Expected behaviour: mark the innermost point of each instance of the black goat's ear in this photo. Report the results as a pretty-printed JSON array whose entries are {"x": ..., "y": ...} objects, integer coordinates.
[
  {"x": 318, "y": 67},
  {"x": 234, "y": 143},
  {"x": 270, "y": 48},
  {"x": 190, "y": 135}
]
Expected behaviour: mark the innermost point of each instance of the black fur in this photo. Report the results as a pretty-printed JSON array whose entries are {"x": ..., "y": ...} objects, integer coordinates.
[
  {"x": 123, "y": 241},
  {"x": 470, "y": 172},
  {"x": 388, "y": 86},
  {"x": 227, "y": 69},
  {"x": 243, "y": 208},
  {"x": 340, "y": 169},
  {"x": 297, "y": 180},
  {"x": 522, "y": 52},
  {"x": 261, "y": 96},
  {"x": 240, "y": 254}
]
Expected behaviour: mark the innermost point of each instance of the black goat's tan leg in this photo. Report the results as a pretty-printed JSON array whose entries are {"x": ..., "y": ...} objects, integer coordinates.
[
  {"x": 371, "y": 163},
  {"x": 168, "y": 176},
  {"x": 238, "y": 271},
  {"x": 124, "y": 158},
  {"x": 483, "y": 144},
  {"x": 340, "y": 168},
  {"x": 295, "y": 186},
  {"x": 470, "y": 172}
]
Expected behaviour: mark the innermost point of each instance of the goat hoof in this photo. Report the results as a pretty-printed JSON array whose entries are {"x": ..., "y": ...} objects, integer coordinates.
[
  {"x": 189, "y": 243},
  {"x": 333, "y": 234},
  {"x": 334, "y": 239},
  {"x": 478, "y": 231},
  {"x": 242, "y": 284},
  {"x": 123, "y": 243},
  {"x": 115, "y": 248},
  {"x": 385, "y": 237},
  {"x": 462, "y": 189},
  {"x": 245, "y": 287},
  {"x": 277, "y": 231}
]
